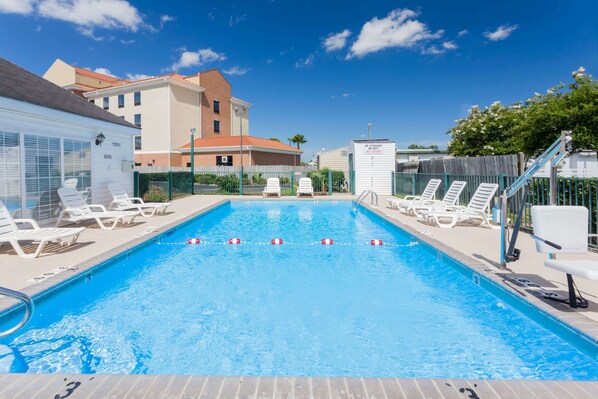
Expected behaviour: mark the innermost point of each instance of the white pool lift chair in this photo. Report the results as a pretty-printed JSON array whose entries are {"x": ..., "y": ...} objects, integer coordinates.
[
  {"x": 564, "y": 230},
  {"x": 122, "y": 202},
  {"x": 475, "y": 211},
  {"x": 272, "y": 187},
  {"x": 428, "y": 195},
  {"x": 305, "y": 187},
  {"x": 12, "y": 234},
  {"x": 450, "y": 199},
  {"x": 75, "y": 210}
]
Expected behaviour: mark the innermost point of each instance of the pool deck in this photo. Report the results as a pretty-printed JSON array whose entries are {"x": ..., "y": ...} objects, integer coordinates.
[{"x": 476, "y": 247}]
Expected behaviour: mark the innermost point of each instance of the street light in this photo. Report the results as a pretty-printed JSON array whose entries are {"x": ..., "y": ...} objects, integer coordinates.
[
  {"x": 240, "y": 111},
  {"x": 193, "y": 130},
  {"x": 369, "y": 131}
]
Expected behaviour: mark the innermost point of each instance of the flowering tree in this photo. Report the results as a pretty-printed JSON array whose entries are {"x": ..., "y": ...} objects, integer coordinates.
[{"x": 532, "y": 126}]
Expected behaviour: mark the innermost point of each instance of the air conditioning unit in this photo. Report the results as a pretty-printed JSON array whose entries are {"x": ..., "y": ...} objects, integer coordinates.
[
  {"x": 128, "y": 166},
  {"x": 224, "y": 159}
]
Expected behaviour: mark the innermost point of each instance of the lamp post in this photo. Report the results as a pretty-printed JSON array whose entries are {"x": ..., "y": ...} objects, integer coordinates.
[
  {"x": 193, "y": 130},
  {"x": 369, "y": 131},
  {"x": 240, "y": 111}
]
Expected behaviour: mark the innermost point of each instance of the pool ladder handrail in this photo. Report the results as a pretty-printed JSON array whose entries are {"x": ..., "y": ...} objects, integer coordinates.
[
  {"x": 29, "y": 309},
  {"x": 364, "y": 194}
]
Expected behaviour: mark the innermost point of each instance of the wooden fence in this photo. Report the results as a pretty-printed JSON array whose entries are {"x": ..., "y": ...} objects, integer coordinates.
[
  {"x": 227, "y": 169},
  {"x": 510, "y": 165}
]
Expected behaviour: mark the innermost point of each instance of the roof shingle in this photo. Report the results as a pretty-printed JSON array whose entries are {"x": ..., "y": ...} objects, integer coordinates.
[{"x": 230, "y": 141}]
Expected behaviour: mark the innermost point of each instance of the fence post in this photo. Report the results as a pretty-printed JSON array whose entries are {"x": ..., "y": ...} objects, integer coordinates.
[
  {"x": 329, "y": 182},
  {"x": 393, "y": 183},
  {"x": 136, "y": 184},
  {"x": 169, "y": 185},
  {"x": 446, "y": 182},
  {"x": 502, "y": 183},
  {"x": 192, "y": 183},
  {"x": 241, "y": 183},
  {"x": 413, "y": 184},
  {"x": 293, "y": 183}
]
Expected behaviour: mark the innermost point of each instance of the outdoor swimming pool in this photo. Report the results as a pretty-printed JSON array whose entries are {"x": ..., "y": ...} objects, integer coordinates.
[{"x": 301, "y": 308}]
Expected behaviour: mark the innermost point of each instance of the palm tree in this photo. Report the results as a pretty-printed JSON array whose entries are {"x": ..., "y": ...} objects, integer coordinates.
[{"x": 298, "y": 139}]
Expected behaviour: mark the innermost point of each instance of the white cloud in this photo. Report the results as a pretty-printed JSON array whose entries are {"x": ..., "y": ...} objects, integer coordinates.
[
  {"x": 16, "y": 6},
  {"x": 501, "y": 33},
  {"x": 309, "y": 61},
  {"x": 104, "y": 71},
  {"x": 164, "y": 19},
  {"x": 462, "y": 33},
  {"x": 336, "y": 41},
  {"x": 137, "y": 76},
  {"x": 127, "y": 42},
  {"x": 398, "y": 29},
  {"x": 235, "y": 20},
  {"x": 197, "y": 58},
  {"x": 269, "y": 61},
  {"x": 450, "y": 45},
  {"x": 88, "y": 32},
  {"x": 211, "y": 15},
  {"x": 236, "y": 71},
  {"x": 432, "y": 50},
  {"x": 108, "y": 14}
]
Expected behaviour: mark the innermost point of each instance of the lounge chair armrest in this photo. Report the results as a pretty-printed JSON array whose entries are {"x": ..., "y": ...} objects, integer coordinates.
[
  {"x": 136, "y": 200},
  {"x": 32, "y": 222},
  {"x": 102, "y": 207},
  {"x": 592, "y": 235},
  {"x": 412, "y": 197}
]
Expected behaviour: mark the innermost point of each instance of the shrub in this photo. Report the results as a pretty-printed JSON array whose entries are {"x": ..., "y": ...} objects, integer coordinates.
[
  {"x": 208, "y": 178},
  {"x": 155, "y": 194},
  {"x": 228, "y": 183},
  {"x": 257, "y": 178},
  {"x": 285, "y": 180}
]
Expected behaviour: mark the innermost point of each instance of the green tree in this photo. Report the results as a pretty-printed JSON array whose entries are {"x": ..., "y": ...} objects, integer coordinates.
[
  {"x": 275, "y": 139},
  {"x": 298, "y": 139},
  {"x": 432, "y": 147}
]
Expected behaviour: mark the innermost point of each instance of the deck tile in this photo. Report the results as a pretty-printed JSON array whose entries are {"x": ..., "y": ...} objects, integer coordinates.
[
  {"x": 175, "y": 389},
  {"x": 12, "y": 385},
  {"x": 302, "y": 388},
  {"x": 230, "y": 386},
  {"x": 428, "y": 389},
  {"x": 38, "y": 383},
  {"x": 588, "y": 388},
  {"x": 523, "y": 390},
  {"x": 88, "y": 384},
  {"x": 373, "y": 388},
  {"x": 574, "y": 390},
  {"x": 212, "y": 387},
  {"x": 355, "y": 388},
  {"x": 158, "y": 387},
  {"x": 448, "y": 389},
  {"x": 392, "y": 388},
  {"x": 121, "y": 388},
  {"x": 503, "y": 389},
  {"x": 284, "y": 388},
  {"x": 194, "y": 387},
  {"x": 141, "y": 386},
  {"x": 541, "y": 390},
  {"x": 265, "y": 388},
  {"x": 320, "y": 387},
  {"x": 410, "y": 388},
  {"x": 483, "y": 389},
  {"x": 247, "y": 388},
  {"x": 338, "y": 388}
]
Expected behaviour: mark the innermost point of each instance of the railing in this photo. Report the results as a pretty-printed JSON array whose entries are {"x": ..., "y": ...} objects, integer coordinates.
[
  {"x": 160, "y": 187},
  {"x": 364, "y": 194},
  {"x": 570, "y": 191},
  {"x": 29, "y": 308}
]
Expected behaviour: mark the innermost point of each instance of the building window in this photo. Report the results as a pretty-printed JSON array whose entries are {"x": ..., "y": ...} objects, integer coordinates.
[
  {"x": 106, "y": 102},
  {"x": 77, "y": 163},
  {"x": 10, "y": 171},
  {"x": 138, "y": 120},
  {"x": 216, "y": 126},
  {"x": 217, "y": 106},
  {"x": 42, "y": 176},
  {"x": 224, "y": 160},
  {"x": 121, "y": 101},
  {"x": 343, "y": 153},
  {"x": 137, "y": 143},
  {"x": 137, "y": 98}
]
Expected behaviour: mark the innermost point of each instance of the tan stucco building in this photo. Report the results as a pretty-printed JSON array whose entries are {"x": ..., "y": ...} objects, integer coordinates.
[{"x": 166, "y": 108}]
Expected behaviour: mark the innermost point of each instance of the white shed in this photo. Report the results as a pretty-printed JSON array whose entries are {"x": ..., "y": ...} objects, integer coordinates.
[{"x": 371, "y": 163}]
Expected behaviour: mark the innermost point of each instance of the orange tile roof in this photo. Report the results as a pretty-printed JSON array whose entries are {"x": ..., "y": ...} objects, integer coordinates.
[
  {"x": 96, "y": 75},
  {"x": 233, "y": 141}
]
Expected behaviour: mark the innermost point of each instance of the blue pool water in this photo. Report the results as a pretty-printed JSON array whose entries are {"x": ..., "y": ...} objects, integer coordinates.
[{"x": 294, "y": 309}]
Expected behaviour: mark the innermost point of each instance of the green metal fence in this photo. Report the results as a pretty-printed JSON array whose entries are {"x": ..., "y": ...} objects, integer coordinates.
[
  {"x": 570, "y": 191},
  {"x": 166, "y": 186}
]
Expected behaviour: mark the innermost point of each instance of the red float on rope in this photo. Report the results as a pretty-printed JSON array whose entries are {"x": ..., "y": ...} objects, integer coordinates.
[
  {"x": 376, "y": 242},
  {"x": 193, "y": 241},
  {"x": 276, "y": 241},
  {"x": 234, "y": 241},
  {"x": 327, "y": 241}
]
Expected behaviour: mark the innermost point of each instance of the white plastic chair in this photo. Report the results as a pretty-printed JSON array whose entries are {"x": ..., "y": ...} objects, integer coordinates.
[
  {"x": 564, "y": 230},
  {"x": 72, "y": 183},
  {"x": 10, "y": 233},
  {"x": 450, "y": 199},
  {"x": 272, "y": 187},
  {"x": 75, "y": 210},
  {"x": 428, "y": 195},
  {"x": 475, "y": 211},
  {"x": 305, "y": 187},
  {"x": 122, "y": 202}
]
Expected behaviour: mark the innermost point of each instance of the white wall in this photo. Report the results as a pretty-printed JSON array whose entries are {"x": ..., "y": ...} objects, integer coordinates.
[
  {"x": 373, "y": 168},
  {"x": 21, "y": 117},
  {"x": 236, "y": 122},
  {"x": 334, "y": 159}
]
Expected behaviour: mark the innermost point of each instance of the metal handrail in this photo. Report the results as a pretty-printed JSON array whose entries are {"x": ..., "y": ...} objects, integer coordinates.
[
  {"x": 364, "y": 195},
  {"x": 29, "y": 309}
]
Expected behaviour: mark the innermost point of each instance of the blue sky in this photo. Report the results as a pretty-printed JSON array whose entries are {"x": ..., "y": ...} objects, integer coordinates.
[{"x": 323, "y": 68}]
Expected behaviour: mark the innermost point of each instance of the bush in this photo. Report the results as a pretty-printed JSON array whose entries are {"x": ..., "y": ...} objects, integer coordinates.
[
  {"x": 155, "y": 194},
  {"x": 285, "y": 180},
  {"x": 257, "y": 178},
  {"x": 228, "y": 183},
  {"x": 208, "y": 178}
]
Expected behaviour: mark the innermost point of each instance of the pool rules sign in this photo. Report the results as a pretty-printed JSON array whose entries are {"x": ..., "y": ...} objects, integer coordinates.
[{"x": 374, "y": 149}]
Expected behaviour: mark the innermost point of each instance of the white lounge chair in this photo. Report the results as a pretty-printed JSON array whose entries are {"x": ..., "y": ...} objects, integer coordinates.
[
  {"x": 450, "y": 199},
  {"x": 10, "y": 233},
  {"x": 475, "y": 211},
  {"x": 272, "y": 187},
  {"x": 122, "y": 202},
  {"x": 305, "y": 187},
  {"x": 72, "y": 183},
  {"x": 428, "y": 195},
  {"x": 564, "y": 230},
  {"x": 75, "y": 210}
]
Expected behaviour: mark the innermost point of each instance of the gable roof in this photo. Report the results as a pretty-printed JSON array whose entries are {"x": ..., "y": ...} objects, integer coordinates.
[
  {"x": 96, "y": 75},
  {"x": 235, "y": 141},
  {"x": 21, "y": 85}
]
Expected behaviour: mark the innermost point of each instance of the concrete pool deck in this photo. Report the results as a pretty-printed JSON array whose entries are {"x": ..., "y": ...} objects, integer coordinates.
[{"x": 476, "y": 247}]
